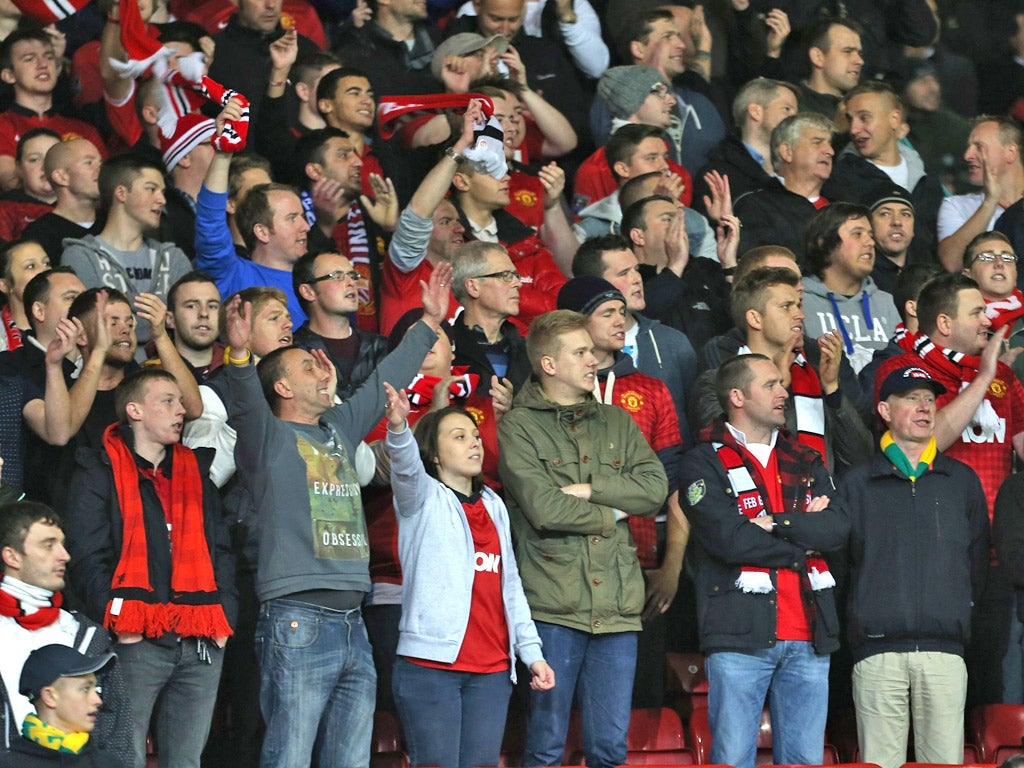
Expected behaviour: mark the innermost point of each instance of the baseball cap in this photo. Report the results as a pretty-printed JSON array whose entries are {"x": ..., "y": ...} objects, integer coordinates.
[
  {"x": 45, "y": 665},
  {"x": 909, "y": 377}
]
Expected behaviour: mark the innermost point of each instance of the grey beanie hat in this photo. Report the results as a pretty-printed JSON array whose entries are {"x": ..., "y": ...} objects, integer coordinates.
[{"x": 624, "y": 89}]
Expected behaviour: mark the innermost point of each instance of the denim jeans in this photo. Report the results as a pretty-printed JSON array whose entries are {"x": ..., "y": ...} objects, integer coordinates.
[
  {"x": 187, "y": 688},
  {"x": 794, "y": 678},
  {"x": 451, "y": 719},
  {"x": 317, "y": 687},
  {"x": 599, "y": 670}
]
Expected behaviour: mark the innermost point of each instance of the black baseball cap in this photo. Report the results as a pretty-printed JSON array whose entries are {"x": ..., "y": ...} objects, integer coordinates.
[
  {"x": 905, "y": 379},
  {"x": 44, "y": 665}
]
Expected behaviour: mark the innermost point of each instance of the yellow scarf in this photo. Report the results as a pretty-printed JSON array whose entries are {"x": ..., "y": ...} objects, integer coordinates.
[
  {"x": 47, "y": 736},
  {"x": 895, "y": 454}
]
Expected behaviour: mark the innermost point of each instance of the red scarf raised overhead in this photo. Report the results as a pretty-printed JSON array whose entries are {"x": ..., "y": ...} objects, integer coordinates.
[
  {"x": 1005, "y": 311},
  {"x": 195, "y": 609},
  {"x": 421, "y": 391}
]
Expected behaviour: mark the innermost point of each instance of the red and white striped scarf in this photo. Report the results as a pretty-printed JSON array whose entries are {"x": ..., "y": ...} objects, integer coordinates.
[
  {"x": 1005, "y": 311},
  {"x": 750, "y": 502}
]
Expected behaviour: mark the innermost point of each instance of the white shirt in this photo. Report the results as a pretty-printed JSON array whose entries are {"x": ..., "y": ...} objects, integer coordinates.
[{"x": 957, "y": 209}]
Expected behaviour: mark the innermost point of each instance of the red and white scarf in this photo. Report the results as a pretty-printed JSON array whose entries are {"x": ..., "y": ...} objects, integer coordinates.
[
  {"x": 805, "y": 389},
  {"x": 1005, "y": 311},
  {"x": 30, "y": 606},
  {"x": 421, "y": 390},
  {"x": 750, "y": 503},
  {"x": 11, "y": 330},
  {"x": 904, "y": 339},
  {"x": 962, "y": 368}
]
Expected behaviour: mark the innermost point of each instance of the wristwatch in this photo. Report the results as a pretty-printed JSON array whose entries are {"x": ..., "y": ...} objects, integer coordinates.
[{"x": 450, "y": 152}]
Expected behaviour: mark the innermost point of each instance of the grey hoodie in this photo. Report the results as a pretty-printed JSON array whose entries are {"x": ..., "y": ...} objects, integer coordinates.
[
  {"x": 151, "y": 269},
  {"x": 866, "y": 320}
]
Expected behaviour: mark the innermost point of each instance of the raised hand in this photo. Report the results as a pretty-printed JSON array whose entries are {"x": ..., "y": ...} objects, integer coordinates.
[
  {"x": 553, "y": 179},
  {"x": 237, "y": 324},
  {"x": 383, "y": 208},
  {"x": 436, "y": 293},
  {"x": 151, "y": 307},
  {"x": 323, "y": 363},
  {"x": 396, "y": 408}
]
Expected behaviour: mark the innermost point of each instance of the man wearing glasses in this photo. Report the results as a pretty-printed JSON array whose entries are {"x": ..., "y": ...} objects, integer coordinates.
[
  {"x": 990, "y": 261},
  {"x": 326, "y": 286},
  {"x": 486, "y": 283}
]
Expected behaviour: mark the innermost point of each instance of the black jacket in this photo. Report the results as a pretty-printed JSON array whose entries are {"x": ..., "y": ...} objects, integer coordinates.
[
  {"x": 918, "y": 555},
  {"x": 372, "y": 349},
  {"x": 730, "y": 158},
  {"x": 729, "y": 618},
  {"x": 95, "y": 530},
  {"x": 28, "y": 754},
  {"x": 773, "y": 215},
  {"x": 696, "y": 303},
  {"x": 469, "y": 352},
  {"x": 392, "y": 68}
]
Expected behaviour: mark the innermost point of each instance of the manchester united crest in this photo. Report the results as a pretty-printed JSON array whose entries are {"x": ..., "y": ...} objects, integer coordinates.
[{"x": 631, "y": 400}]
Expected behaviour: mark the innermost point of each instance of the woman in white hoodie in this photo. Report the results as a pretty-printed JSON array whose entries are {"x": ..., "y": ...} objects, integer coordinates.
[{"x": 464, "y": 614}]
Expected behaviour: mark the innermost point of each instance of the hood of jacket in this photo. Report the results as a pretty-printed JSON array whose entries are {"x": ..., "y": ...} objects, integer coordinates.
[
  {"x": 606, "y": 208},
  {"x": 915, "y": 165}
]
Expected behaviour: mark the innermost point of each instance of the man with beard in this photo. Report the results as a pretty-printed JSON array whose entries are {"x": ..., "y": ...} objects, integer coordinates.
[
  {"x": 892, "y": 224},
  {"x": 193, "y": 311},
  {"x": 329, "y": 169}
]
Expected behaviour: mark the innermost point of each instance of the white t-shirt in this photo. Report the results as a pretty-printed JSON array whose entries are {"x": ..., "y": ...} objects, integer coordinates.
[{"x": 957, "y": 209}]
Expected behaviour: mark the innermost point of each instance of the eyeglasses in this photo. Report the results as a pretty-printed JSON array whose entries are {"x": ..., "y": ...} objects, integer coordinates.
[
  {"x": 506, "y": 276},
  {"x": 987, "y": 257},
  {"x": 337, "y": 276},
  {"x": 659, "y": 89}
]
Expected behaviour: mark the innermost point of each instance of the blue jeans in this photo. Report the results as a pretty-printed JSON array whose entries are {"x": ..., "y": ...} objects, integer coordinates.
[
  {"x": 599, "y": 670},
  {"x": 187, "y": 689},
  {"x": 317, "y": 686},
  {"x": 794, "y": 678},
  {"x": 451, "y": 719}
]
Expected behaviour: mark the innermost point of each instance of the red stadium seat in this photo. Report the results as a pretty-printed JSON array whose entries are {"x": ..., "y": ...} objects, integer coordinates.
[{"x": 997, "y": 730}]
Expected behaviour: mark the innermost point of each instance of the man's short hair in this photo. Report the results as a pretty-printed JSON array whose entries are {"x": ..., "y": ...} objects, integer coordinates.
[
  {"x": 908, "y": 284},
  {"x": 467, "y": 261},
  {"x": 817, "y": 35},
  {"x": 38, "y": 289},
  {"x": 310, "y": 148},
  {"x": 271, "y": 369},
  {"x": 85, "y": 303},
  {"x": 1010, "y": 131},
  {"x": 195, "y": 276},
  {"x": 761, "y": 91},
  {"x": 239, "y": 165},
  {"x": 589, "y": 258},
  {"x": 969, "y": 253},
  {"x": 546, "y": 331},
  {"x": 328, "y": 85},
  {"x": 636, "y": 26},
  {"x": 180, "y": 31},
  {"x": 255, "y": 296},
  {"x": 940, "y": 296},
  {"x": 751, "y": 292},
  {"x": 33, "y": 133},
  {"x": 623, "y": 144},
  {"x": 255, "y": 209},
  {"x": 304, "y": 271},
  {"x": 822, "y": 236},
  {"x": 635, "y": 188},
  {"x": 132, "y": 388},
  {"x": 633, "y": 217},
  {"x": 308, "y": 66},
  {"x": 30, "y": 32},
  {"x": 493, "y": 85},
  {"x": 878, "y": 88},
  {"x": 121, "y": 171},
  {"x": 735, "y": 373},
  {"x": 756, "y": 257},
  {"x": 17, "y": 517},
  {"x": 789, "y": 129}
]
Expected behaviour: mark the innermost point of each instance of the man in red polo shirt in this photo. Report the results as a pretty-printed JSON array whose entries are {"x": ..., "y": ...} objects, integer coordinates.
[{"x": 28, "y": 63}]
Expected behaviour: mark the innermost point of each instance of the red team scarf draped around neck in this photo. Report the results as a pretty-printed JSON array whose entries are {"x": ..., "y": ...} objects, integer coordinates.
[{"x": 195, "y": 609}]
